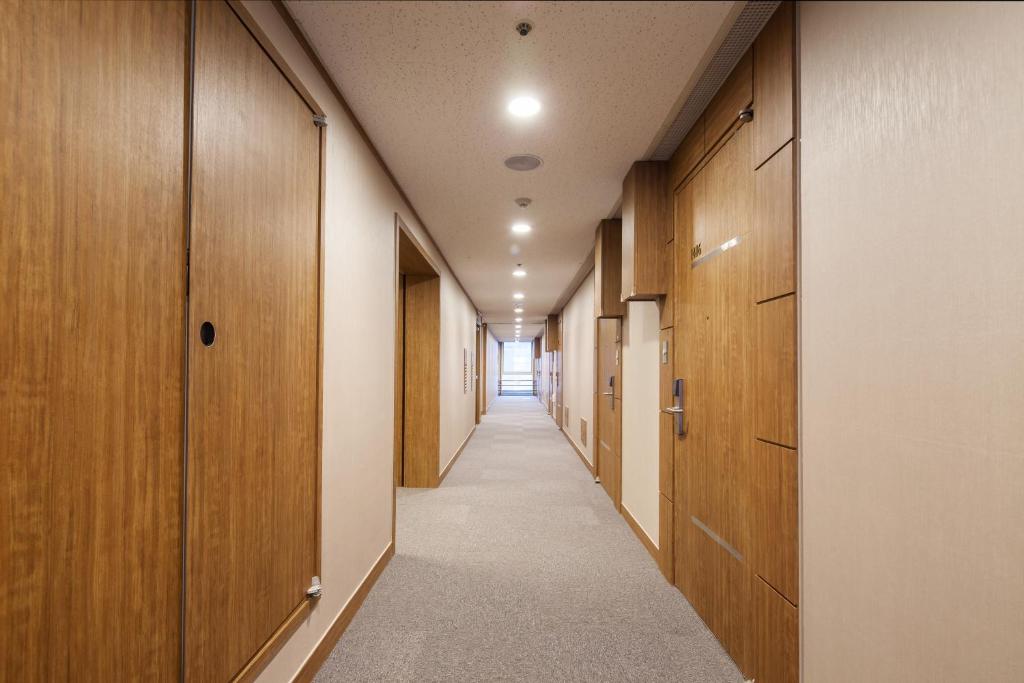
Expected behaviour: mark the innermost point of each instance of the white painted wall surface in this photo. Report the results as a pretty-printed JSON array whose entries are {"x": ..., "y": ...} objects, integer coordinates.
[
  {"x": 358, "y": 395},
  {"x": 640, "y": 382},
  {"x": 578, "y": 365},
  {"x": 912, "y": 342}
]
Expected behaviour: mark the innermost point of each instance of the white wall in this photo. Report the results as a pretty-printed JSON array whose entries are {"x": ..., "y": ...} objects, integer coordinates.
[
  {"x": 359, "y": 356},
  {"x": 912, "y": 342},
  {"x": 578, "y": 365},
  {"x": 640, "y": 411},
  {"x": 458, "y": 337}
]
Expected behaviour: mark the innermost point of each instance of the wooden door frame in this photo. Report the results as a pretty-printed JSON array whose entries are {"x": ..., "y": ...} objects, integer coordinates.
[
  {"x": 413, "y": 261},
  {"x": 478, "y": 411}
]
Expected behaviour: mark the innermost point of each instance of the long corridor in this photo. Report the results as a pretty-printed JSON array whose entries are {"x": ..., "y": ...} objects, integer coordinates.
[{"x": 519, "y": 568}]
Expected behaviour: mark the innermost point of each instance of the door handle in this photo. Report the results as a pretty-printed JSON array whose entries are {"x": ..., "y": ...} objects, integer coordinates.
[
  {"x": 608, "y": 393},
  {"x": 677, "y": 411}
]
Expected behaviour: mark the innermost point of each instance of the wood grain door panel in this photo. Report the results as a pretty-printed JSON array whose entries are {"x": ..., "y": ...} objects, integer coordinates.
[
  {"x": 92, "y": 266},
  {"x": 253, "y": 411},
  {"x": 609, "y": 408}
]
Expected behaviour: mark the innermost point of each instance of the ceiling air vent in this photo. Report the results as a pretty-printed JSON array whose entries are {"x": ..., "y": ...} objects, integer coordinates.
[{"x": 523, "y": 162}]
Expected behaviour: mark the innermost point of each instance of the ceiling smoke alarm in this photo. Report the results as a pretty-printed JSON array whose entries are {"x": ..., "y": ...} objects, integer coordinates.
[
  {"x": 523, "y": 202},
  {"x": 523, "y": 27}
]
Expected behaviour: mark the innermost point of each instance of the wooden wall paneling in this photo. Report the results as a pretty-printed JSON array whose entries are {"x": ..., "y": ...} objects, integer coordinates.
[
  {"x": 717, "y": 584},
  {"x": 689, "y": 153},
  {"x": 666, "y": 303},
  {"x": 536, "y": 348},
  {"x": 399, "y": 429},
  {"x": 422, "y": 380},
  {"x": 774, "y": 75},
  {"x": 552, "y": 334},
  {"x": 608, "y": 270},
  {"x": 775, "y": 226},
  {"x": 609, "y": 408},
  {"x": 775, "y": 371},
  {"x": 735, "y": 95},
  {"x": 666, "y": 536},
  {"x": 253, "y": 410},
  {"x": 645, "y": 227},
  {"x": 92, "y": 266},
  {"x": 774, "y": 554},
  {"x": 666, "y": 421},
  {"x": 775, "y": 646}
]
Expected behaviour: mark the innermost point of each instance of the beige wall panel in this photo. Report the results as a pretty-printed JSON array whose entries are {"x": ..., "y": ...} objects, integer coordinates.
[{"x": 911, "y": 328}]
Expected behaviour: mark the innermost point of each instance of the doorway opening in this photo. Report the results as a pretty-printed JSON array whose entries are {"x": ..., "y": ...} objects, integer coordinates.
[{"x": 417, "y": 363}]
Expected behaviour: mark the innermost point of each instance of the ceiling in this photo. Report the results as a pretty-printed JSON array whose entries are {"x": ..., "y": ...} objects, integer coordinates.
[{"x": 430, "y": 83}]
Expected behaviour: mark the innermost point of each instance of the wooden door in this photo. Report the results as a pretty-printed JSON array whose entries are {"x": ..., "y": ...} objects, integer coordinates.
[
  {"x": 92, "y": 266},
  {"x": 399, "y": 434},
  {"x": 253, "y": 337},
  {"x": 609, "y": 407},
  {"x": 714, "y": 332}
]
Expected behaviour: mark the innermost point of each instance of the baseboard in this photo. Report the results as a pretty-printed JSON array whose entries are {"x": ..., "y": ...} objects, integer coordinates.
[
  {"x": 333, "y": 635},
  {"x": 448, "y": 467},
  {"x": 586, "y": 463},
  {"x": 642, "y": 535},
  {"x": 273, "y": 645}
]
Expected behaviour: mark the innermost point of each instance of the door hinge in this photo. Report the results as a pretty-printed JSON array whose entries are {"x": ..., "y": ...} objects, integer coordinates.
[
  {"x": 319, "y": 120},
  {"x": 315, "y": 590}
]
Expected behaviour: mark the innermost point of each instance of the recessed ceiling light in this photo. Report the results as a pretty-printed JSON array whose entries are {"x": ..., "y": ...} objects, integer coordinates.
[
  {"x": 519, "y": 273},
  {"x": 518, "y": 296},
  {"x": 524, "y": 107},
  {"x": 521, "y": 228},
  {"x": 519, "y": 320},
  {"x": 517, "y": 309}
]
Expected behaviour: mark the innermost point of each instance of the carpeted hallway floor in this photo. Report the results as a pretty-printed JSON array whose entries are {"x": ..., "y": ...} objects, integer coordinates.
[{"x": 519, "y": 569}]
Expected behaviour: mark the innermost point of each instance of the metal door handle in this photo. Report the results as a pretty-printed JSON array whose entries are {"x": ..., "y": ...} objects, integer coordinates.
[
  {"x": 608, "y": 393},
  {"x": 673, "y": 410}
]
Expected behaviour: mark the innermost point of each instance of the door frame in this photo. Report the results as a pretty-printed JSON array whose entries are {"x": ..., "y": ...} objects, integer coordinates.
[{"x": 415, "y": 267}]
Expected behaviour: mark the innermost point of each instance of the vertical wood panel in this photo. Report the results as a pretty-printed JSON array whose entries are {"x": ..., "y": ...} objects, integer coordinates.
[
  {"x": 666, "y": 304},
  {"x": 688, "y": 154},
  {"x": 422, "y": 380},
  {"x": 399, "y": 377},
  {"x": 776, "y": 637},
  {"x": 775, "y": 371},
  {"x": 646, "y": 227},
  {"x": 608, "y": 270},
  {"x": 775, "y": 226},
  {"x": 735, "y": 94},
  {"x": 252, "y": 494},
  {"x": 92, "y": 258},
  {"x": 666, "y": 422},
  {"x": 775, "y": 547},
  {"x": 609, "y": 415},
  {"x": 774, "y": 76}
]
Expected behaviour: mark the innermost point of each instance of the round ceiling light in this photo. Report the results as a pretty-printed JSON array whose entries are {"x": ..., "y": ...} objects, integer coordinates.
[
  {"x": 518, "y": 296},
  {"x": 524, "y": 107},
  {"x": 523, "y": 162},
  {"x": 521, "y": 228},
  {"x": 517, "y": 309},
  {"x": 519, "y": 320},
  {"x": 519, "y": 273}
]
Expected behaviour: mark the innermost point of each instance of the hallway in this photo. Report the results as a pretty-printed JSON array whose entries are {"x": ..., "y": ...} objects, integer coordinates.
[{"x": 519, "y": 568}]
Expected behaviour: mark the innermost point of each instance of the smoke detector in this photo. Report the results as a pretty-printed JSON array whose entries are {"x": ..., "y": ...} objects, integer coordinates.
[
  {"x": 523, "y": 162},
  {"x": 523, "y": 202},
  {"x": 523, "y": 27}
]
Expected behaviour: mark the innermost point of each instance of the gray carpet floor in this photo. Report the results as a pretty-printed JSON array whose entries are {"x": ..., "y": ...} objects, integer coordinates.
[{"x": 518, "y": 568}]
